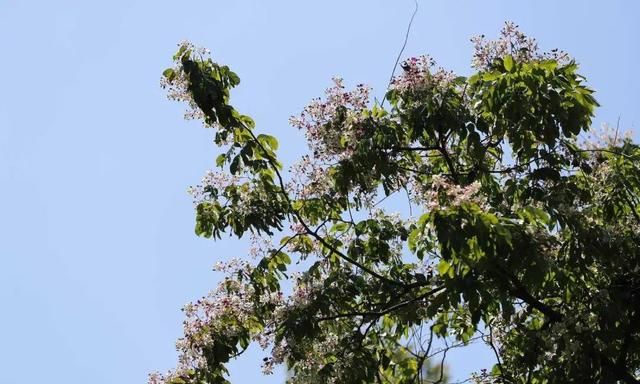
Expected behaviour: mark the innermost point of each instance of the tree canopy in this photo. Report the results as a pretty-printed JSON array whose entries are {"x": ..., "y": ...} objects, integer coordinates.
[{"x": 470, "y": 209}]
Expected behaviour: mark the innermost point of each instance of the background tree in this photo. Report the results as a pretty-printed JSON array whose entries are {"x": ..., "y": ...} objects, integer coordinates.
[{"x": 514, "y": 232}]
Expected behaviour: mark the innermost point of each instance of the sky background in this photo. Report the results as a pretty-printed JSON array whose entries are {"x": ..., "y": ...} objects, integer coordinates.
[{"x": 97, "y": 250}]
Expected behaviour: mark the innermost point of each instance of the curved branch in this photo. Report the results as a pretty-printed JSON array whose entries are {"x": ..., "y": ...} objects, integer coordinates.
[{"x": 273, "y": 164}]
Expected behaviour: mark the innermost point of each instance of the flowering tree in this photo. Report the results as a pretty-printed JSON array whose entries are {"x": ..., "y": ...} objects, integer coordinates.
[{"x": 514, "y": 232}]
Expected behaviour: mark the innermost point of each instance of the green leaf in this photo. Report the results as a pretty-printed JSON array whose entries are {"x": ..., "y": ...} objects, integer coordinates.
[
  {"x": 268, "y": 141},
  {"x": 248, "y": 121},
  {"x": 339, "y": 227},
  {"x": 220, "y": 160},
  {"x": 284, "y": 258},
  {"x": 180, "y": 53},
  {"x": 508, "y": 63},
  {"x": 169, "y": 74},
  {"x": 235, "y": 165},
  {"x": 443, "y": 267},
  {"x": 233, "y": 78}
]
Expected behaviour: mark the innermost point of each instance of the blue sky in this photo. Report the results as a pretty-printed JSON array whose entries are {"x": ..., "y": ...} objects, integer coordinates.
[{"x": 97, "y": 251}]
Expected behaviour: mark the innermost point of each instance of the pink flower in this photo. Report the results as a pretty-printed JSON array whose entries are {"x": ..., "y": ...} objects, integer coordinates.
[
  {"x": 511, "y": 42},
  {"x": 319, "y": 117},
  {"x": 419, "y": 73}
]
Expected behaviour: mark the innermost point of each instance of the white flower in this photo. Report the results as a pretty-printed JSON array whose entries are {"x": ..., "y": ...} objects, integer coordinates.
[
  {"x": 324, "y": 139},
  {"x": 178, "y": 85},
  {"x": 606, "y": 137},
  {"x": 419, "y": 74},
  {"x": 456, "y": 195},
  {"x": 511, "y": 42}
]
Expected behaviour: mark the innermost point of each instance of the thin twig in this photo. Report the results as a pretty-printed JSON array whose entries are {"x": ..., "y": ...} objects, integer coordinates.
[{"x": 404, "y": 45}]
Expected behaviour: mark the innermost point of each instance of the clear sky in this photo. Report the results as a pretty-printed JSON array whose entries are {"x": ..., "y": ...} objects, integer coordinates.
[{"x": 97, "y": 251}]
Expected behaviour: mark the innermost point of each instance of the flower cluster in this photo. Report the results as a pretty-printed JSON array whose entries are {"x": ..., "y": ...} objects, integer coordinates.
[
  {"x": 278, "y": 356},
  {"x": 606, "y": 137},
  {"x": 233, "y": 302},
  {"x": 216, "y": 185},
  {"x": 211, "y": 180},
  {"x": 159, "y": 378},
  {"x": 511, "y": 42},
  {"x": 420, "y": 73},
  {"x": 233, "y": 266},
  {"x": 307, "y": 368},
  {"x": 456, "y": 194},
  {"x": 205, "y": 317},
  {"x": 484, "y": 377},
  {"x": 309, "y": 179},
  {"x": 260, "y": 246},
  {"x": 303, "y": 294},
  {"x": 231, "y": 299},
  {"x": 327, "y": 123},
  {"x": 298, "y": 228},
  {"x": 304, "y": 291}
]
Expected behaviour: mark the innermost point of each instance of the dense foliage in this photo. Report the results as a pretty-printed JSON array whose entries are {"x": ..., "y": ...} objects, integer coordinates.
[{"x": 512, "y": 228}]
